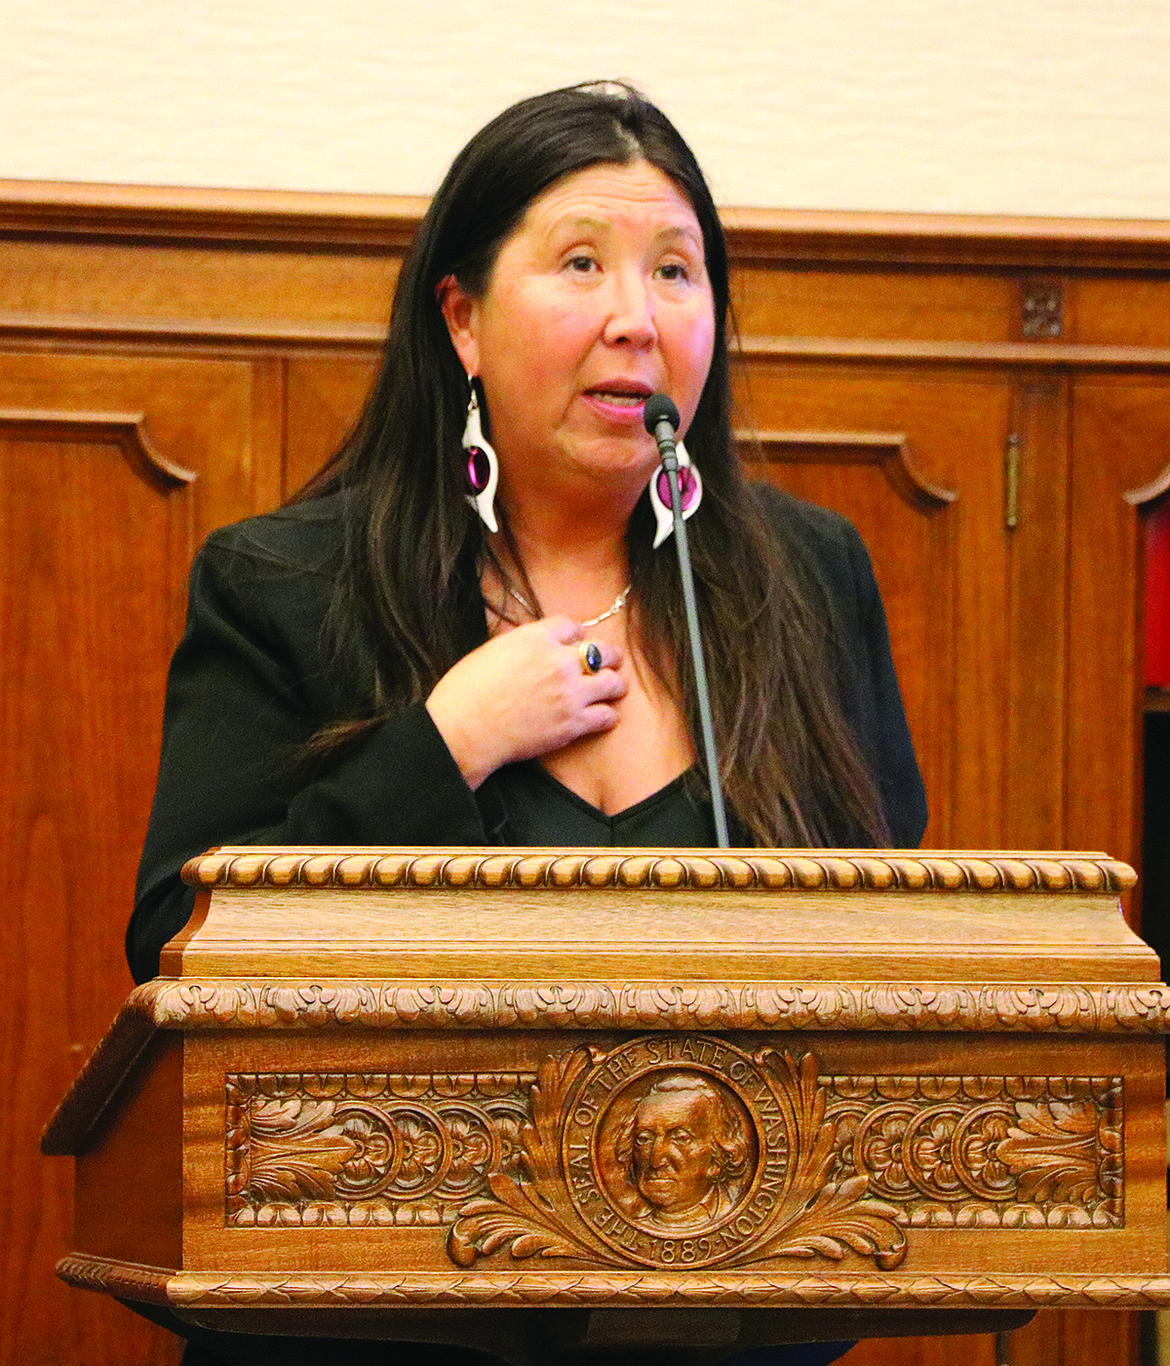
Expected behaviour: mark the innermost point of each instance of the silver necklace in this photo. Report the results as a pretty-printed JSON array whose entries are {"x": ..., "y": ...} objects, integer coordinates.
[{"x": 612, "y": 610}]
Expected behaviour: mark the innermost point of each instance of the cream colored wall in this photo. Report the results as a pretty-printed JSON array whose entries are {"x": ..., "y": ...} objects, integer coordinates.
[{"x": 965, "y": 106}]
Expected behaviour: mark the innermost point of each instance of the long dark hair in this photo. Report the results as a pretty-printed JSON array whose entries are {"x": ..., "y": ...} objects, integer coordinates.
[{"x": 791, "y": 769}]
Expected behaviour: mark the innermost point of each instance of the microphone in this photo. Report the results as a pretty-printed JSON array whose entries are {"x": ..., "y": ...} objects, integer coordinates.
[{"x": 662, "y": 421}]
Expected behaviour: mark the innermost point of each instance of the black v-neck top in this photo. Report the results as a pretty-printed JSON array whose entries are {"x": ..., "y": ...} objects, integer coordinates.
[
  {"x": 254, "y": 678},
  {"x": 525, "y": 804}
]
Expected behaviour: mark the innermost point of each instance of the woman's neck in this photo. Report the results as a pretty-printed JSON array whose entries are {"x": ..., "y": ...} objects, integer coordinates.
[{"x": 573, "y": 564}]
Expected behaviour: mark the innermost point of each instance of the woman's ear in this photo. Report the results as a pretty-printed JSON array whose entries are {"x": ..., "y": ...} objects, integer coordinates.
[{"x": 461, "y": 314}]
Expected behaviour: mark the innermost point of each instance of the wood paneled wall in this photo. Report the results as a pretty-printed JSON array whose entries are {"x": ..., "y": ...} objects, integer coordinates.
[{"x": 988, "y": 400}]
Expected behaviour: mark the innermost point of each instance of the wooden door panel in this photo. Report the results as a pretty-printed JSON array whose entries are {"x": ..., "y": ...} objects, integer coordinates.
[
  {"x": 1036, "y": 624},
  {"x": 851, "y": 473},
  {"x": 946, "y": 1351},
  {"x": 1077, "y": 1337},
  {"x": 915, "y": 460},
  {"x": 88, "y": 617},
  {"x": 811, "y": 302},
  {"x": 201, "y": 415},
  {"x": 325, "y": 398},
  {"x": 112, "y": 469}
]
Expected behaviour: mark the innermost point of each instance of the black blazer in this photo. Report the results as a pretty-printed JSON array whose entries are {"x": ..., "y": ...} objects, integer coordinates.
[{"x": 252, "y": 680}]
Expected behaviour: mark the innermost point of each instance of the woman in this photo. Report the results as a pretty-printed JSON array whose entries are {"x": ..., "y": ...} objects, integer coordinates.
[
  {"x": 463, "y": 632},
  {"x": 398, "y": 657}
]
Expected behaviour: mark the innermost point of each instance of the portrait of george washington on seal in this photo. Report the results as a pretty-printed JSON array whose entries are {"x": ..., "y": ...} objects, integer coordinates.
[{"x": 679, "y": 1156}]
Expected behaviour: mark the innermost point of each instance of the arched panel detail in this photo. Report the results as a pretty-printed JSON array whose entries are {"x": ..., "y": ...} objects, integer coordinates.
[
  {"x": 1151, "y": 492},
  {"x": 890, "y": 451},
  {"x": 127, "y": 431}
]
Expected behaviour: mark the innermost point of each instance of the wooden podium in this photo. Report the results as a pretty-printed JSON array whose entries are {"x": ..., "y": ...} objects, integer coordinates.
[{"x": 561, "y": 1101}]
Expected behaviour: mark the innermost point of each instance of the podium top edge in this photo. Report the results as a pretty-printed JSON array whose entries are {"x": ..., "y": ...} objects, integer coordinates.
[{"x": 659, "y": 870}]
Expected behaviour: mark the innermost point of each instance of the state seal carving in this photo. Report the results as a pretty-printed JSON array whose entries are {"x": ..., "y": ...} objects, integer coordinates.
[{"x": 677, "y": 1151}]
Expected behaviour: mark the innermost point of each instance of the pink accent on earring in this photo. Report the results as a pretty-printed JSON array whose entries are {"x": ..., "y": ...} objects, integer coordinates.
[
  {"x": 690, "y": 485},
  {"x": 687, "y": 487},
  {"x": 479, "y": 470},
  {"x": 483, "y": 469}
]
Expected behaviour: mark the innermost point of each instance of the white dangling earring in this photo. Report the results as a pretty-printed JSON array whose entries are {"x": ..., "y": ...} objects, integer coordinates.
[
  {"x": 690, "y": 487},
  {"x": 483, "y": 469}
]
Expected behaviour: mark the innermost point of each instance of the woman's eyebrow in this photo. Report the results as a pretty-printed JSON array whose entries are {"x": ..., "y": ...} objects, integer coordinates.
[
  {"x": 578, "y": 221},
  {"x": 680, "y": 230}
]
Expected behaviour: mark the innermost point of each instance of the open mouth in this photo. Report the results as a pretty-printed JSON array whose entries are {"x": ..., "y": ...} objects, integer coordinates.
[{"x": 625, "y": 396}]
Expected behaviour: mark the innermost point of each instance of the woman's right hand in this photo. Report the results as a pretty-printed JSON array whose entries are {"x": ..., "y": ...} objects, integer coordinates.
[{"x": 524, "y": 694}]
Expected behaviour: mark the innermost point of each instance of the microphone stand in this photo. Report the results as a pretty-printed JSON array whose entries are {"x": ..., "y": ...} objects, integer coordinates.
[{"x": 662, "y": 428}]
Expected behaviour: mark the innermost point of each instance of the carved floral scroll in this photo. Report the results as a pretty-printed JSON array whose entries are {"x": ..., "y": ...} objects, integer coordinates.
[
  {"x": 346, "y": 1149},
  {"x": 1027, "y": 1152},
  {"x": 674, "y": 1151}
]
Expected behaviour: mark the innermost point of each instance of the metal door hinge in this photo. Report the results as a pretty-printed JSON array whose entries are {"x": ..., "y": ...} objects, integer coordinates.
[{"x": 1011, "y": 482}]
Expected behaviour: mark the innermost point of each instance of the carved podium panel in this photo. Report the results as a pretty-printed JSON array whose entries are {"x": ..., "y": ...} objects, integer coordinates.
[{"x": 375, "y": 1084}]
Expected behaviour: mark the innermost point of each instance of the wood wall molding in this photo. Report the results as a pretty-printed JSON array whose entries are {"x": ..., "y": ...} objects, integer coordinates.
[
  {"x": 1015, "y": 355},
  {"x": 127, "y": 431},
  {"x": 55, "y": 332},
  {"x": 891, "y": 451},
  {"x": 62, "y": 332},
  {"x": 286, "y": 219},
  {"x": 1150, "y": 492},
  {"x": 276, "y": 218},
  {"x": 940, "y": 240}
]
